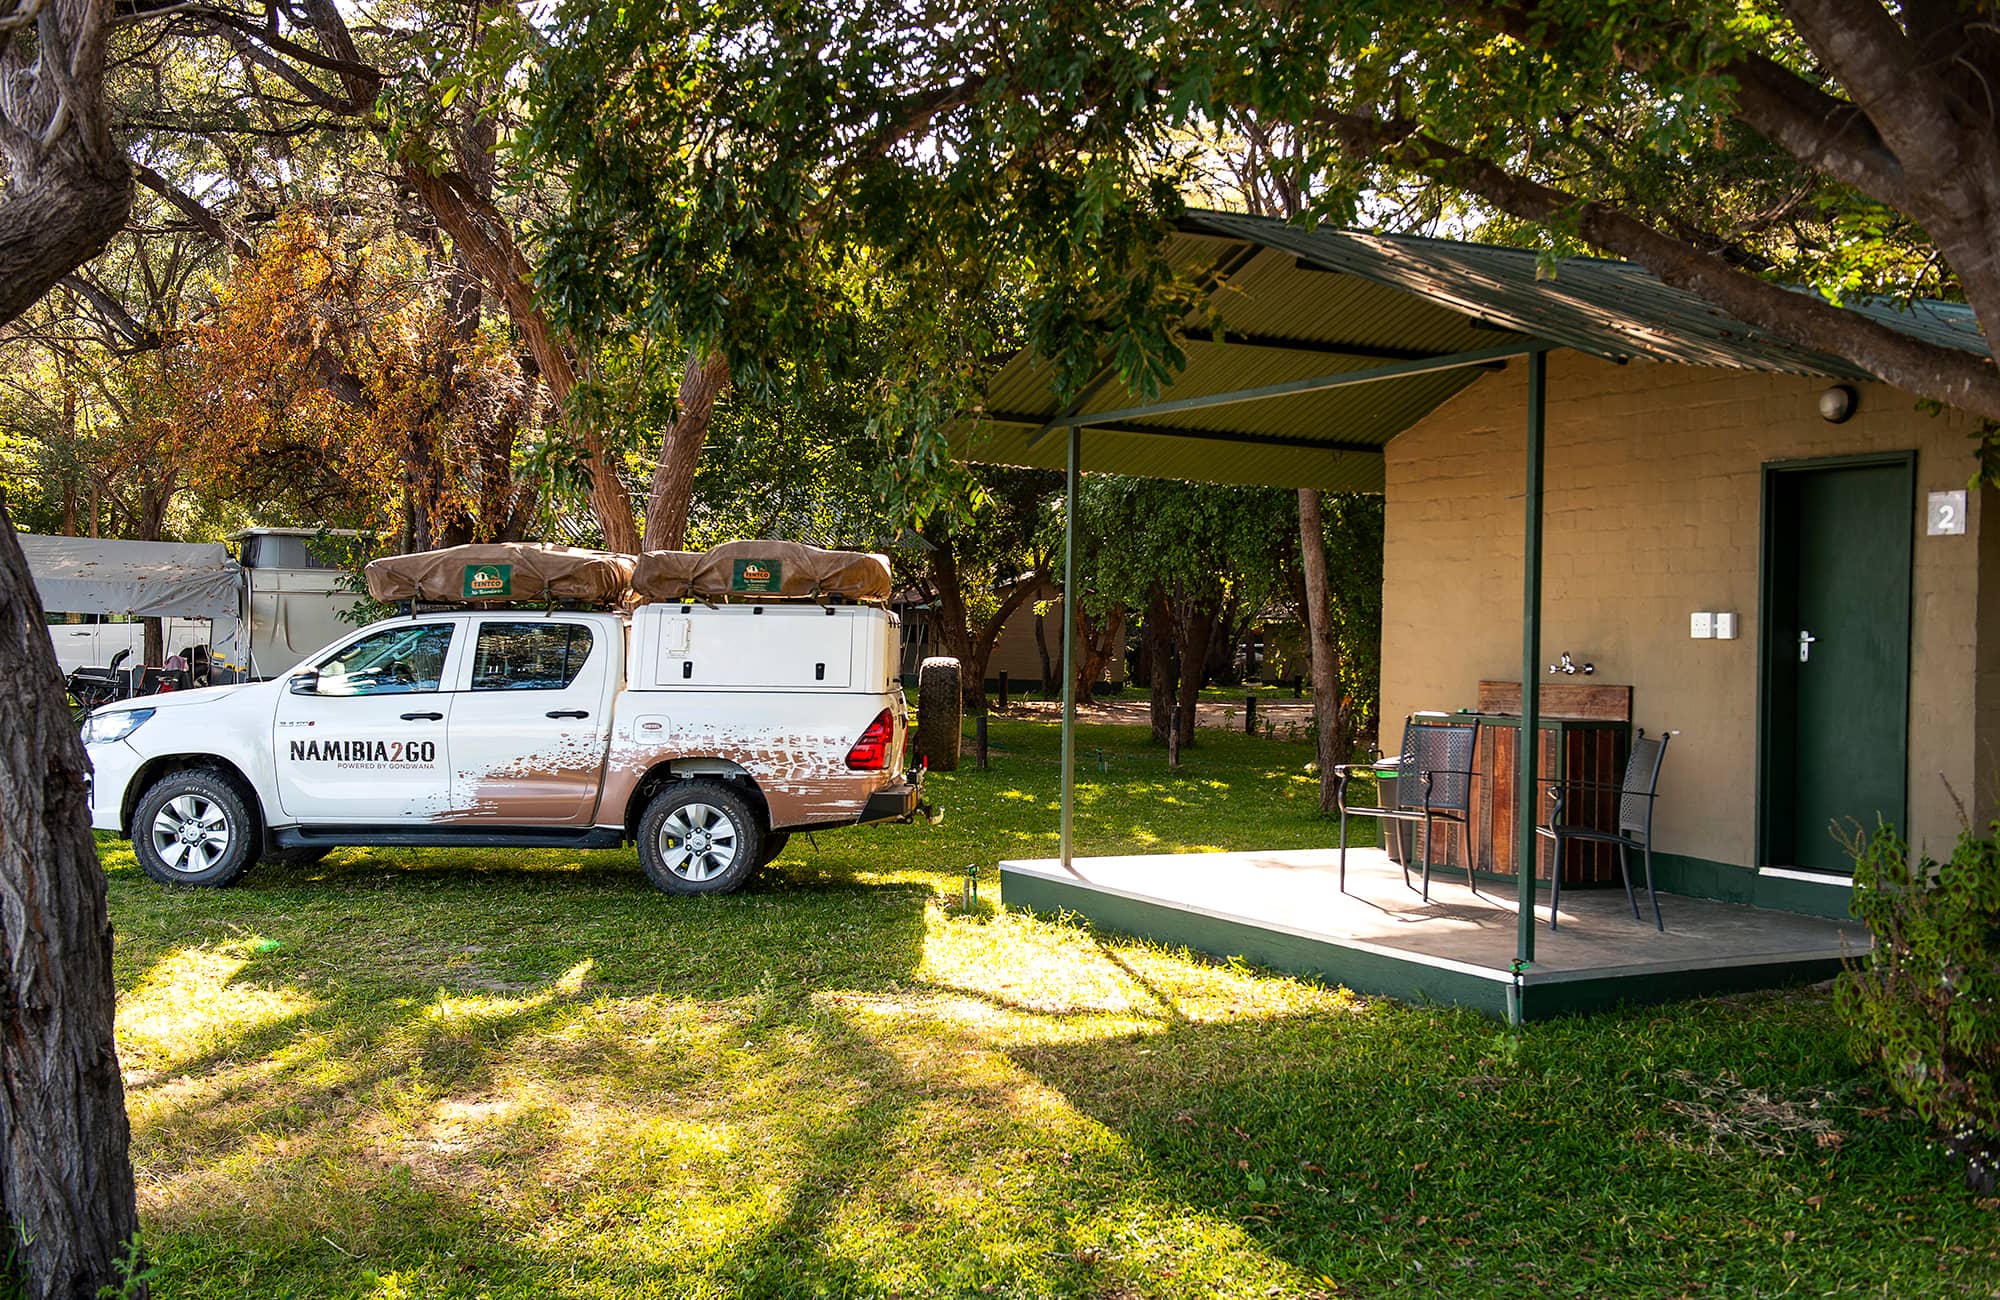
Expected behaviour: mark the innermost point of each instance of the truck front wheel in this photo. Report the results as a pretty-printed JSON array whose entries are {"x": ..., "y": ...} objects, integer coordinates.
[
  {"x": 194, "y": 828},
  {"x": 699, "y": 837}
]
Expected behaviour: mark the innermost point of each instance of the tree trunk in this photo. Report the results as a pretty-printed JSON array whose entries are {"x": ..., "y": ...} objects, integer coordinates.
[
  {"x": 65, "y": 1173},
  {"x": 1197, "y": 627},
  {"x": 1324, "y": 649},
  {"x": 1042, "y": 647},
  {"x": 952, "y": 624},
  {"x": 1094, "y": 643},
  {"x": 673, "y": 474},
  {"x": 487, "y": 246},
  {"x": 1164, "y": 672}
]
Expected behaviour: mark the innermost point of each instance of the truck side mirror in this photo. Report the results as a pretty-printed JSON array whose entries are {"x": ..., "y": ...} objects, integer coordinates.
[{"x": 306, "y": 683}]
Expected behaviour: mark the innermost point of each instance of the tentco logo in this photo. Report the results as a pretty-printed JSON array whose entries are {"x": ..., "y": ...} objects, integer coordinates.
[
  {"x": 756, "y": 575},
  {"x": 485, "y": 581},
  {"x": 368, "y": 752}
]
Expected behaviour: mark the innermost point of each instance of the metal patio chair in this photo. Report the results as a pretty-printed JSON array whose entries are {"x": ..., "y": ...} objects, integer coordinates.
[
  {"x": 1433, "y": 784},
  {"x": 1637, "y": 794}
]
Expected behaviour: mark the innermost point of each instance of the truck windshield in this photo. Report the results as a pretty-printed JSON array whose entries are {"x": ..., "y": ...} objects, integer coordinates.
[{"x": 399, "y": 661}]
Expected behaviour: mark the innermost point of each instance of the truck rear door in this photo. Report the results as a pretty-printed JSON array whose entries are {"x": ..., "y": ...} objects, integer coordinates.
[{"x": 532, "y": 720}]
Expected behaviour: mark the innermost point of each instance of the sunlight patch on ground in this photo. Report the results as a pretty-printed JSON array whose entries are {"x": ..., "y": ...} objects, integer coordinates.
[{"x": 191, "y": 1003}]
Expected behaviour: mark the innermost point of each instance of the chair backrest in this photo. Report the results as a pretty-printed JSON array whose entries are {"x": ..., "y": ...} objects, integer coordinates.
[
  {"x": 1444, "y": 748},
  {"x": 1642, "y": 780}
]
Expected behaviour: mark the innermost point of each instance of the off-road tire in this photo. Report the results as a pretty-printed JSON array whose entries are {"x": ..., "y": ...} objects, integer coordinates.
[
  {"x": 940, "y": 713},
  {"x": 297, "y": 857},
  {"x": 222, "y": 838},
  {"x": 683, "y": 829},
  {"x": 774, "y": 844}
]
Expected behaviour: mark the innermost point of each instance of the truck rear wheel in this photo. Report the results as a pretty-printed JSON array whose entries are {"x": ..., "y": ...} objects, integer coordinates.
[
  {"x": 699, "y": 837},
  {"x": 194, "y": 828},
  {"x": 940, "y": 713}
]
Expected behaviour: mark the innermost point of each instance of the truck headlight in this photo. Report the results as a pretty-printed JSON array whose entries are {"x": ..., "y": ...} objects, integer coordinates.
[{"x": 103, "y": 727}]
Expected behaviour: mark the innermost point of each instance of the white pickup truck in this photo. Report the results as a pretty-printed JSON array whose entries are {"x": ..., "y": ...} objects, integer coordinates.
[{"x": 707, "y": 733}]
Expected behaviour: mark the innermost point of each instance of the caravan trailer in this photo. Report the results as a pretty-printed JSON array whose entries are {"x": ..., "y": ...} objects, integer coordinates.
[{"x": 293, "y": 598}]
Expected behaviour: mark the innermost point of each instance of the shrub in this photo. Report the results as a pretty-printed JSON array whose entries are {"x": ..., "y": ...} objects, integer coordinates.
[{"x": 1925, "y": 1007}]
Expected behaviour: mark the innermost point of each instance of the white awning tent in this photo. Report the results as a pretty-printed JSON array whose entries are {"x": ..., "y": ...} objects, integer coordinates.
[{"x": 90, "y": 575}]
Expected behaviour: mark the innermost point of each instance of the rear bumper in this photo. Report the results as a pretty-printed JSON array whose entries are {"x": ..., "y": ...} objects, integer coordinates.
[{"x": 894, "y": 803}]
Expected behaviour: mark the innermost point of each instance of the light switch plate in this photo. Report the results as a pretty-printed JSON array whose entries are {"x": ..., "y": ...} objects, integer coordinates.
[
  {"x": 1701, "y": 626},
  {"x": 1725, "y": 626}
]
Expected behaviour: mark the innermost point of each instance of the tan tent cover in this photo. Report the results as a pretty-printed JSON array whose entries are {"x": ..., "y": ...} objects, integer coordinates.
[
  {"x": 777, "y": 570},
  {"x": 503, "y": 572}
]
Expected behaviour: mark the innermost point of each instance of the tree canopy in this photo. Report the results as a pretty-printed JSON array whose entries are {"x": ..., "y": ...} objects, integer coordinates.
[{"x": 760, "y": 174}]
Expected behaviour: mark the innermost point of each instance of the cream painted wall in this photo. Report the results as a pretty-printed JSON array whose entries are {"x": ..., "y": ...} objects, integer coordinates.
[{"x": 1653, "y": 491}]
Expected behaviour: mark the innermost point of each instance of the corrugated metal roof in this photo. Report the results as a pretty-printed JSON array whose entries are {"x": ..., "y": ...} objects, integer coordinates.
[{"x": 1297, "y": 304}]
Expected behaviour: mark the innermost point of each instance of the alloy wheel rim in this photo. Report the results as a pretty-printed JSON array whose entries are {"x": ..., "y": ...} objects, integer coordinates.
[
  {"x": 697, "y": 842},
  {"x": 191, "y": 833}
]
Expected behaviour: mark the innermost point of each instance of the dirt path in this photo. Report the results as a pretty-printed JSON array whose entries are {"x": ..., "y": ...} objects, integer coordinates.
[{"x": 1135, "y": 711}]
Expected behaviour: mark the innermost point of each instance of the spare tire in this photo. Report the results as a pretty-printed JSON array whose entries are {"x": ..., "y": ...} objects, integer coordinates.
[{"x": 940, "y": 713}]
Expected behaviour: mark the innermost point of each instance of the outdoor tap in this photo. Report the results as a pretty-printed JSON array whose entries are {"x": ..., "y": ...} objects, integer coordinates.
[{"x": 1570, "y": 667}]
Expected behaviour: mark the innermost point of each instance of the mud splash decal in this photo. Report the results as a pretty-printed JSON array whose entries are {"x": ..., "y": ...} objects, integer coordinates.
[
  {"x": 803, "y": 774},
  {"x": 553, "y": 786}
]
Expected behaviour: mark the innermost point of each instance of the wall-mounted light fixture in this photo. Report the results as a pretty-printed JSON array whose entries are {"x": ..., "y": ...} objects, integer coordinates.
[{"x": 1836, "y": 404}]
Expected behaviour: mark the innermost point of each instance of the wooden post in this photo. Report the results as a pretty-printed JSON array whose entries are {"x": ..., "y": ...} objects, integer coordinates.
[
  {"x": 979, "y": 732},
  {"x": 1249, "y": 715}
]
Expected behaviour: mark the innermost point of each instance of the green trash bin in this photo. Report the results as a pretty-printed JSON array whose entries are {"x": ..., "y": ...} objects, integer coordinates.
[{"x": 1399, "y": 838}]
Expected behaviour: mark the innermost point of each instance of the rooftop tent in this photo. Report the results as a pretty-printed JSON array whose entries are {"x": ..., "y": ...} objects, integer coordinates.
[{"x": 89, "y": 575}]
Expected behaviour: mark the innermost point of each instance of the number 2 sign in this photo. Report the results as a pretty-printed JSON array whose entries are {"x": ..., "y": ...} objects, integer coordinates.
[{"x": 1947, "y": 514}]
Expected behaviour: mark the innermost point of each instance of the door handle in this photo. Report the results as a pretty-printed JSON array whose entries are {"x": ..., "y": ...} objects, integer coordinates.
[
  {"x": 1806, "y": 640},
  {"x": 568, "y": 713},
  {"x": 423, "y": 717}
]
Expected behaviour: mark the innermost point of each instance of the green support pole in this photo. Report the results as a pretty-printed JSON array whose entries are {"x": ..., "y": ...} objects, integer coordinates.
[
  {"x": 1069, "y": 641},
  {"x": 1527, "y": 768}
]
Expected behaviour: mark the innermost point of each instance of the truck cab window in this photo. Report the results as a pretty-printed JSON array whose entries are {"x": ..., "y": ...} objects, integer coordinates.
[
  {"x": 400, "y": 661},
  {"x": 539, "y": 656}
]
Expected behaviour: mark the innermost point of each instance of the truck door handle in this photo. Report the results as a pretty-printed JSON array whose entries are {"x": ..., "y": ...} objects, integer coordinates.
[
  {"x": 568, "y": 713},
  {"x": 423, "y": 717}
]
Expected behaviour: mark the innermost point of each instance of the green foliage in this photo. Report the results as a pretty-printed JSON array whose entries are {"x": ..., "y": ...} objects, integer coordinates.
[
  {"x": 351, "y": 556},
  {"x": 986, "y": 177},
  {"x": 1202, "y": 538},
  {"x": 1925, "y": 1007},
  {"x": 135, "y": 1273}
]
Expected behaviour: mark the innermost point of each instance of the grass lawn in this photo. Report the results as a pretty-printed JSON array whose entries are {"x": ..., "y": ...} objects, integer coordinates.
[{"x": 481, "y": 1073}]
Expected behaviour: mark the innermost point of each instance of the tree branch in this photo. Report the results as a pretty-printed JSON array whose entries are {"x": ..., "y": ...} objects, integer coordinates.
[
  {"x": 1943, "y": 374},
  {"x": 115, "y": 319}
]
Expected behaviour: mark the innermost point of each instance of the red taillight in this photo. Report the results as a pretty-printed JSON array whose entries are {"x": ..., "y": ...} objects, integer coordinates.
[{"x": 871, "y": 752}]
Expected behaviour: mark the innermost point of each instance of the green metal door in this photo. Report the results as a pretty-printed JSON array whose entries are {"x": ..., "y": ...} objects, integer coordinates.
[{"x": 1837, "y": 656}]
